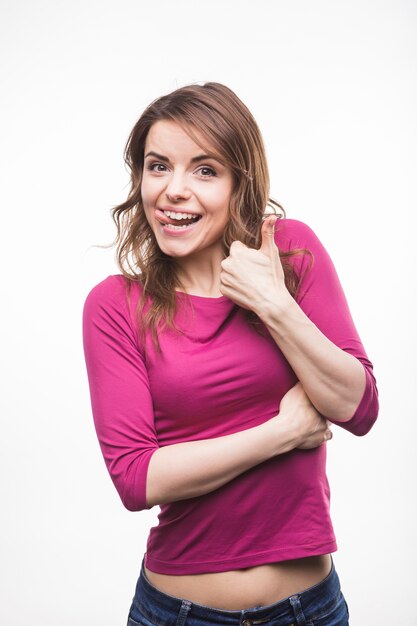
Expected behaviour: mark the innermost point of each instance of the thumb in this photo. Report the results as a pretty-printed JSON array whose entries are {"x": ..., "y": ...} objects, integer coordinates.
[{"x": 268, "y": 246}]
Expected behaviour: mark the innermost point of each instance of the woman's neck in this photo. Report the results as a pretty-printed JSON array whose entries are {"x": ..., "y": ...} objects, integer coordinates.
[{"x": 200, "y": 275}]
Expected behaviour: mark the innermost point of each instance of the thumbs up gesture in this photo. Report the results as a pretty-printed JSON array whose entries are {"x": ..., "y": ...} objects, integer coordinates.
[{"x": 254, "y": 279}]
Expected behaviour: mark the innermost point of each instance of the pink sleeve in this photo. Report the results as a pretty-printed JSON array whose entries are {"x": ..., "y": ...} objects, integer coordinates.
[
  {"x": 322, "y": 299},
  {"x": 119, "y": 390}
]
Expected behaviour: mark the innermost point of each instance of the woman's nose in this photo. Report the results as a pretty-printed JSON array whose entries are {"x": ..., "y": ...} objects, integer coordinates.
[{"x": 177, "y": 187}]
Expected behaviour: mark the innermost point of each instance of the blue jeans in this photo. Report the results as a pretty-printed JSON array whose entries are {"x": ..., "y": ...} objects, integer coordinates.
[{"x": 320, "y": 605}]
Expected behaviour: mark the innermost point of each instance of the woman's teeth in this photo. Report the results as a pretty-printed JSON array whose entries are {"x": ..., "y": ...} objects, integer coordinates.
[
  {"x": 180, "y": 216},
  {"x": 183, "y": 220},
  {"x": 176, "y": 226}
]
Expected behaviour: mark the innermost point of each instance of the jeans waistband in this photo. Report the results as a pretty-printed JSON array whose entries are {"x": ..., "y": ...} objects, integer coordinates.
[{"x": 148, "y": 595}]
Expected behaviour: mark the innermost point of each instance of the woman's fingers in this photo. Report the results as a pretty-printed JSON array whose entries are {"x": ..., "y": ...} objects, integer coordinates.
[{"x": 328, "y": 433}]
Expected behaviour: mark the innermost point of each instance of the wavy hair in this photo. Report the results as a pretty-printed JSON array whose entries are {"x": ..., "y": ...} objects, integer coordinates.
[{"x": 214, "y": 112}]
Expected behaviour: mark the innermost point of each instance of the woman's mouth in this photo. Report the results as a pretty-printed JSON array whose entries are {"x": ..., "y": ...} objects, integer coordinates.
[{"x": 177, "y": 222}]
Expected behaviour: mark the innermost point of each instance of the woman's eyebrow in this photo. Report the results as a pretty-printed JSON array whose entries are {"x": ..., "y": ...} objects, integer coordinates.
[{"x": 200, "y": 157}]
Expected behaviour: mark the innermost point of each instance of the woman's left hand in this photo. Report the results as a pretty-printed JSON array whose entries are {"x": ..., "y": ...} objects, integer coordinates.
[{"x": 254, "y": 279}]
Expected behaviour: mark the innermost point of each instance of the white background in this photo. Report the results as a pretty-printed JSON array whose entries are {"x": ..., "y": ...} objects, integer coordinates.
[{"x": 333, "y": 88}]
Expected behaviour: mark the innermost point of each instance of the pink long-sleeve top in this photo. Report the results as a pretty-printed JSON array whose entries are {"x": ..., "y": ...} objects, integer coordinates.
[{"x": 219, "y": 377}]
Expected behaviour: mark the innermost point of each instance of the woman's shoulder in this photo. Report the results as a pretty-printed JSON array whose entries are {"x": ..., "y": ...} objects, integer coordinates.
[
  {"x": 293, "y": 233},
  {"x": 112, "y": 286},
  {"x": 115, "y": 291},
  {"x": 292, "y": 226},
  {"x": 109, "y": 307}
]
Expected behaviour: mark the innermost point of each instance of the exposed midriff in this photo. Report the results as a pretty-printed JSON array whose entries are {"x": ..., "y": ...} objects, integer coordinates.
[{"x": 245, "y": 588}]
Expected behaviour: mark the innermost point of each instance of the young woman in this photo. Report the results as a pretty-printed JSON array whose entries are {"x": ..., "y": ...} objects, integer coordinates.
[{"x": 217, "y": 360}]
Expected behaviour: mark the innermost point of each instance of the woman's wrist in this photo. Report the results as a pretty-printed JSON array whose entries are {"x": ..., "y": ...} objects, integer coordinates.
[
  {"x": 275, "y": 307},
  {"x": 280, "y": 435}
]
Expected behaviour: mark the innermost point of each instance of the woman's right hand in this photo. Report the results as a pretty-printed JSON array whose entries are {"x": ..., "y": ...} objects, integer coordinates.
[{"x": 307, "y": 426}]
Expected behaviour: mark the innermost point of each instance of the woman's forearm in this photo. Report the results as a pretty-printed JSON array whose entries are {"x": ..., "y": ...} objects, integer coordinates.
[
  {"x": 333, "y": 379},
  {"x": 194, "y": 468}
]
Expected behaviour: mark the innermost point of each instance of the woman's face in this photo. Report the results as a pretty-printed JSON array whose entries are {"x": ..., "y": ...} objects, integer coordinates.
[{"x": 186, "y": 191}]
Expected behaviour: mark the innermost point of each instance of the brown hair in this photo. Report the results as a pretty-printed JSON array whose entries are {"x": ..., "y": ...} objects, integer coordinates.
[{"x": 215, "y": 112}]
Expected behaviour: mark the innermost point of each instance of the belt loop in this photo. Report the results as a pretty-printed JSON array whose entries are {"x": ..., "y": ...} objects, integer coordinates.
[
  {"x": 298, "y": 611},
  {"x": 182, "y": 615}
]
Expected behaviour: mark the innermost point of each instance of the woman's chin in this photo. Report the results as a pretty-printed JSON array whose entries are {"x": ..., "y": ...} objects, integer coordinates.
[{"x": 175, "y": 251}]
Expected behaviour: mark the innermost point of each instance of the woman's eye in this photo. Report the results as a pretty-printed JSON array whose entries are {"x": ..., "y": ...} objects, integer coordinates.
[
  {"x": 208, "y": 169},
  {"x": 206, "y": 172},
  {"x": 151, "y": 167}
]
